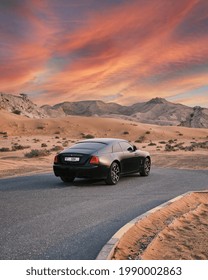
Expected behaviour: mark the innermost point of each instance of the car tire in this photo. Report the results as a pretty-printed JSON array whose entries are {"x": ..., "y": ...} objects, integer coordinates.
[
  {"x": 67, "y": 179},
  {"x": 114, "y": 174},
  {"x": 145, "y": 170}
]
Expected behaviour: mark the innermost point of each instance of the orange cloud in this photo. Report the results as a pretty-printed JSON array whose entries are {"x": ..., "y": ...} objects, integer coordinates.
[{"x": 130, "y": 52}]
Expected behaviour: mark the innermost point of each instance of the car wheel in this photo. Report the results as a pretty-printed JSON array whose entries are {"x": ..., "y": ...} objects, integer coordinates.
[
  {"x": 145, "y": 170},
  {"x": 114, "y": 174},
  {"x": 67, "y": 179}
]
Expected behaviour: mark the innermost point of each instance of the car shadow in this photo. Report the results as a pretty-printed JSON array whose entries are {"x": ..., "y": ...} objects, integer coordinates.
[
  {"x": 44, "y": 182},
  {"x": 86, "y": 183},
  {"x": 97, "y": 182},
  {"x": 134, "y": 175},
  {"x": 48, "y": 181}
]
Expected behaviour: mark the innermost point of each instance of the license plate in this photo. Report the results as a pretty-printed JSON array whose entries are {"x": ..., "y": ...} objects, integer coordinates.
[{"x": 72, "y": 159}]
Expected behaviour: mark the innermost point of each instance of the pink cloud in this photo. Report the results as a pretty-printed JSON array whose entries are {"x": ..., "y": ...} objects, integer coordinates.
[{"x": 132, "y": 51}]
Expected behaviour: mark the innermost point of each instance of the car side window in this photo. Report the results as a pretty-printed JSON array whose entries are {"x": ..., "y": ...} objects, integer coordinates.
[
  {"x": 126, "y": 146},
  {"x": 116, "y": 148}
]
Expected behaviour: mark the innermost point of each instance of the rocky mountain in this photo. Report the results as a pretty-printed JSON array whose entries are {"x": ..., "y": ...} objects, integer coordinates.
[
  {"x": 160, "y": 111},
  {"x": 20, "y": 105},
  {"x": 91, "y": 108},
  {"x": 197, "y": 118},
  {"x": 155, "y": 111}
]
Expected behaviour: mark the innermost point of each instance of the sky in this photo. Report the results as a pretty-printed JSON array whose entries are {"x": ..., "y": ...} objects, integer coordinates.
[{"x": 123, "y": 51}]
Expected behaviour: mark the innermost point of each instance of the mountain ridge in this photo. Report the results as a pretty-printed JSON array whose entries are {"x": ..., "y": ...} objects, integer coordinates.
[{"x": 155, "y": 111}]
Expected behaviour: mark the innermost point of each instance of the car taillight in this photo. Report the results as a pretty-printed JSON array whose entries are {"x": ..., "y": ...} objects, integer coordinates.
[
  {"x": 94, "y": 160},
  {"x": 56, "y": 159}
]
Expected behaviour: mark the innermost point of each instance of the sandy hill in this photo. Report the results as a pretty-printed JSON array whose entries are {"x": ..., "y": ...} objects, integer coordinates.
[
  {"x": 76, "y": 127},
  {"x": 156, "y": 111}
]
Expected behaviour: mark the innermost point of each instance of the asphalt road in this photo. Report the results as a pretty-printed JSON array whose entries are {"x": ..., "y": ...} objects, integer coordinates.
[{"x": 43, "y": 218}]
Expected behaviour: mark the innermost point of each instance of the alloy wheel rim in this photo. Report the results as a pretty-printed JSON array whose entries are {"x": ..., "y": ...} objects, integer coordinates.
[
  {"x": 115, "y": 173},
  {"x": 147, "y": 166}
]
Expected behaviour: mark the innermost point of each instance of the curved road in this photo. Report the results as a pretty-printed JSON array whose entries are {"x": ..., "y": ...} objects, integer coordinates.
[{"x": 43, "y": 218}]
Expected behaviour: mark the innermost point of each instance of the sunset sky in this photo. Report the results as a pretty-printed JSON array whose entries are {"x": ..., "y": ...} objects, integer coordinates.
[{"x": 123, "y": 51}]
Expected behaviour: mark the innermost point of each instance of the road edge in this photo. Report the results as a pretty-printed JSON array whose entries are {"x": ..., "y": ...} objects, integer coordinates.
[{"x": 107, "y": 251}]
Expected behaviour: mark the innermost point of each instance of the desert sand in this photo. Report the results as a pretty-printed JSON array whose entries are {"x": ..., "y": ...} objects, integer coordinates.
[
  {"x": 21, "y": 135},
  {"x": 178, "y": 233}
]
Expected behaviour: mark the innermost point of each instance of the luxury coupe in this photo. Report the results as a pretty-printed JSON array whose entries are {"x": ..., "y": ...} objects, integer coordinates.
[{"x": 101, "y": 158}]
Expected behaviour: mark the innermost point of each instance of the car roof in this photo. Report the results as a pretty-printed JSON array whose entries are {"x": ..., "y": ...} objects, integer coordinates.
[{"x": 102, "y": 140}]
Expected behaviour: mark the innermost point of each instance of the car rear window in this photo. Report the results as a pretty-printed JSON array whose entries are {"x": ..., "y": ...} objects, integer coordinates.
[{"x": 89, "y": 146}]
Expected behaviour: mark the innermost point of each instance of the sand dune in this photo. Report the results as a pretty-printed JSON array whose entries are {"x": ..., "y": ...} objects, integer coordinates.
[{"x": 73, "y": 126}]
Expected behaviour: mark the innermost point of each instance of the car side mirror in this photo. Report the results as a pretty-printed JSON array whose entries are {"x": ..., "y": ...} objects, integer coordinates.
[{"x": 132, "y": 149}]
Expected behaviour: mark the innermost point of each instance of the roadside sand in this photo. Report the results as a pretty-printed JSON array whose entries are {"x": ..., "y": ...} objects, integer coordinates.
[{"x": 177, "y": 231}]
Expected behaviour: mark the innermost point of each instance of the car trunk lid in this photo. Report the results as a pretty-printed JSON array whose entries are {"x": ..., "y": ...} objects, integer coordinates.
[{"x": 75, "y": 158}]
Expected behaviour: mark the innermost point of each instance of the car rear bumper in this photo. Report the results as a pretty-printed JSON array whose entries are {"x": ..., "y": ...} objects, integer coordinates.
[{"x": 92, "y": 171}]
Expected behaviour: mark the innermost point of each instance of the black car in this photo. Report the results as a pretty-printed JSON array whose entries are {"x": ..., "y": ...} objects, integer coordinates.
[{"x": 101, "y": 158}]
